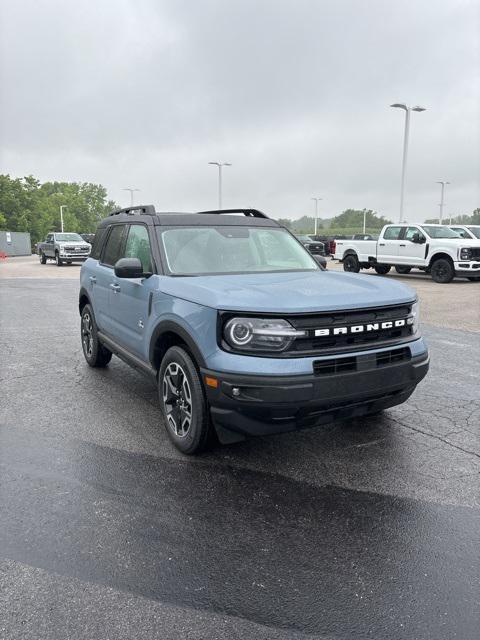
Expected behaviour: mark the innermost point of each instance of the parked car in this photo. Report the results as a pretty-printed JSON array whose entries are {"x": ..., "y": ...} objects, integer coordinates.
[
  {"x": 433, "y": 248},
  {"x": 466, "y": 231},
  {"x": 64, "y": 247},
  {"x": 239, "y": 327},
  {"x": 328, "y": 242},
  {"x": 88, "y": 237},
  {"x": 315, "y": 248}
]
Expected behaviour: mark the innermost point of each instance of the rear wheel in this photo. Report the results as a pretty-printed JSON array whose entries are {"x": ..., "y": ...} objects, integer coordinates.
[
  {"x": 400, "y": 269},
  {"x": 183, "y": 404},
  {"x": 382, "y": 269},
  {"x": 442, "y": 271},
  {"x": 58, "y": 262},
  {"x": 43, "y": 258},
  {"x": 351, "y": 264},
  {"x": 95, "y": 353}
]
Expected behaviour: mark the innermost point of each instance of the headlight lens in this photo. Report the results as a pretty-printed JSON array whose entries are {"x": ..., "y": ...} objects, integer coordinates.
[
  {"x": 465, "y": 254},
  {"x": 260, "y": 334},
  {"x": 416, "y": 317}
]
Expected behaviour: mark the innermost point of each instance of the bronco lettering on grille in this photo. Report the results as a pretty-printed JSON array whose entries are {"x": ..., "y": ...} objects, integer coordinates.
[{"x": 364, "y": 328}]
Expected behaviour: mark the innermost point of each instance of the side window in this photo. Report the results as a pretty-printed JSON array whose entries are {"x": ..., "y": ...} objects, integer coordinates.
[
  {"x": 113, "y": 247},
  {"x": 138, "y": 246},
  {"x": 98, "y": 243},
  {"x": 461, "y": 232},
  {"x": 49, "y": 237},
  {"x": 392, "y": 233},
  {"x": 410, "y": 233}
]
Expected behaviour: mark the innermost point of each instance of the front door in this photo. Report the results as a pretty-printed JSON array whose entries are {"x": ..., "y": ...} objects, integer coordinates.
[
  {"x": 104, "y": 277},
  {"x": 412, "y": 253},
  {"x": 129, "y": 298}
]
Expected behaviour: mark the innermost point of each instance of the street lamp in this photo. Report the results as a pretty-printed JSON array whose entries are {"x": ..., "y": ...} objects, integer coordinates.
[
  {"x": 131, "y": 194},
  {"x": 220, "y": 165},
  {"x": 316, "y": 213},
  {"x": 62, "y": 207},
  {"x": 405, "y": 148},
  {"x": 442, "y": 202}
]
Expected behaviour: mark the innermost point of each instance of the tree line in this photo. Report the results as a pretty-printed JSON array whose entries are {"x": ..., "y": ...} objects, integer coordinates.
[{"x": 26, "y": 204}]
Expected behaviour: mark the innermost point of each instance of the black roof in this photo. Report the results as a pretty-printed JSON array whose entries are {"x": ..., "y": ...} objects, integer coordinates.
[{"x": 227, "y": 217}]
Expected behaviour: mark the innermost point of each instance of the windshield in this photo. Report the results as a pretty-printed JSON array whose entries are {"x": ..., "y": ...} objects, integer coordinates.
[
  {"x": 475, "y": 231},
  {"x": 439, "y": 232},
  {"x": 68, "y": 237},
  {"x": 231, "y": 249}
]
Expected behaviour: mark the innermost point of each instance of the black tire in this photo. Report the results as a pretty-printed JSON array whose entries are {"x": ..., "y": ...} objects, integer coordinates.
[
  {"x": 58, "y": 262},
  {"x": 43, "y": 258},
  {"x": 183, "y": 403},
  {"x": 351, "y": 264},
  {"x": 382, "y": 269},
  {"x": 69, "y": 262},
  {"x": 442, "y": 271},
  {"x": 474, "y": 279},
  {"x": 403, "y": 270},
  {"x": 95, "y": 353}
]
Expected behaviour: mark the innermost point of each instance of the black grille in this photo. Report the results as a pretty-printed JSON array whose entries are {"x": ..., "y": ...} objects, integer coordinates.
[
  {"x": 312, "y": 344},
  {"x": 475, "y": 253},
  {"x": 76, "y": 249},
  {"x": 334, "y": 366}
]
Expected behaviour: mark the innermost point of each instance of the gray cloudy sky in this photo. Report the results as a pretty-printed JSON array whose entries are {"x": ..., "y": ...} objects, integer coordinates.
[{"x": 294, "y": 93}]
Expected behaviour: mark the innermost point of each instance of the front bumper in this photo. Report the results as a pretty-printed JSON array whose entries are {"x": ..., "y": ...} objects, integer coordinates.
[
  {"x": 265, "y": 405},
  {"x": 467, "y": 269},
  {"x": 74, "y": 257}
]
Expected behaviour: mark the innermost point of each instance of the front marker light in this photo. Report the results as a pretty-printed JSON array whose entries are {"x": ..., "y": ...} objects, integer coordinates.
[
  {"x": 416, "y": 317},
  {"x": 260, "y": 334}
]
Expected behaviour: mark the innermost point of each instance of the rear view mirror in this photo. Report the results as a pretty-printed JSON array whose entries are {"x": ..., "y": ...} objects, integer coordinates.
[{"x": 128, "y": 268}]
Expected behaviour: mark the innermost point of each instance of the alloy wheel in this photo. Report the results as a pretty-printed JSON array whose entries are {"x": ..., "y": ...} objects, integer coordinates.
[
  {"x": 87, "y": 335},
  {"x": 177, "y": 399}
]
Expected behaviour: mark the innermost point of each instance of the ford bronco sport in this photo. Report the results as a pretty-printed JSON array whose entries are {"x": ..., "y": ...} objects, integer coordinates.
[{"x": 240, "y": 328}]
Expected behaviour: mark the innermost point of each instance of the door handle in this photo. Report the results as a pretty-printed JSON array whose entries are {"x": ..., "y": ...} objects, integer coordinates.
[
  {"x": 93, "y": 279},
  {"x": 115, "y": 287},
  {"x": 403, "y": 245},
  {"x": 381, "y": 244}
]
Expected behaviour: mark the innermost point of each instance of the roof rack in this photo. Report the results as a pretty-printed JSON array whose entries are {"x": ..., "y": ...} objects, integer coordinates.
[
  {"x": 253, "y": 213},
  {"x": 139, "y": 209}
]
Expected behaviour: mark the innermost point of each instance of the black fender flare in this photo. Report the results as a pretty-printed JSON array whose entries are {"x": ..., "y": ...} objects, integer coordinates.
[
  {"x": 169, "y": 326},
  {"x": 83, "y": 293}
]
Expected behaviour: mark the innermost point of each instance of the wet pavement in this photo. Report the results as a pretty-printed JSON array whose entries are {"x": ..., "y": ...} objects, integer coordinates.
[{"x": 362, "y": 530}]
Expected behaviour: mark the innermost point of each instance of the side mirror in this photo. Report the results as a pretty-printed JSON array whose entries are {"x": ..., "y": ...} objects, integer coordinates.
[
  {"x": 417, "y": 238},
  {"x": 128, "y": 268},
  {"x": 321, "y": 261}
]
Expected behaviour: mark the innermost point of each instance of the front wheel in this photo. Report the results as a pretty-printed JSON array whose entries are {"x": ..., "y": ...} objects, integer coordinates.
[
  {"x": 351, "y": 264},
  {"x": 442, "y": 271},
  {"x": 95, "y": 353},
  {"x": 43, "y": 258},
  {"x": 183, "y": 404},
  {"x": 382, "y": 269},
  {"x": 58, "y": 262},
  {"x": 402, "y": 270}
]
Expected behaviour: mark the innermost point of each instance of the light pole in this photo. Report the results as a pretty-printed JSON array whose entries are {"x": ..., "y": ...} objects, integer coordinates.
[
  {"x": 316, "y": 213},
  {"x": 220, "y": 165},
  {"x": 405, "y": 148},
  {"x": 62, "y": 207},
  {"x": 442, "y": 199},
  {"x": 364, "y": 220},
  {"x": 131, "y": 194}
]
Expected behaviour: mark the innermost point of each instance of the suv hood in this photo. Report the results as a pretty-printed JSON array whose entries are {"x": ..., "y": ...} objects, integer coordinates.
[{"x": 299, "y": 292}]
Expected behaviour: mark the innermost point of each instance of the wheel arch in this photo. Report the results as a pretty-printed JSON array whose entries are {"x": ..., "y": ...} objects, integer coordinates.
[
  {"x": 440, "y": 254},
  {"x": 350, "y": 252},
  {"x": 83, "y": 299},
  {"x": 168, "y": 334}
]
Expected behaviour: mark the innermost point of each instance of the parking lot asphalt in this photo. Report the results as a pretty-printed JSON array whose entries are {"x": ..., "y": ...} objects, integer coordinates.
[{"x": 369, "y": 529}]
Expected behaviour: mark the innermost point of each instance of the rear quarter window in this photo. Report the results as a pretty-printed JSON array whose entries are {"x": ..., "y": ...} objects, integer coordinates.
[{"x": 98, "y": 243}]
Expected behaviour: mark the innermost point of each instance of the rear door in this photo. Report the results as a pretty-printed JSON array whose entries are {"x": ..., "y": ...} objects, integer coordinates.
[
  {"x": 105, "y": 277},
  {"x": 412, "y": 253},
  {"x": 48, "y": 247},
  {"x": 388, "y": 245},
  {"x": 130, "y": 297}
]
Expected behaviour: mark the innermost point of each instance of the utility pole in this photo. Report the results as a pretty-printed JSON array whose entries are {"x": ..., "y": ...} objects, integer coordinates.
[
  {"x": 405, "y": 149},
  {"x": 442, "y": 199},
  {"x": 316, "y": 213},
  {"x": 220, "y": 165},
  {"x": 62, "y": 207},
  {"x": 131, "y": 194}
]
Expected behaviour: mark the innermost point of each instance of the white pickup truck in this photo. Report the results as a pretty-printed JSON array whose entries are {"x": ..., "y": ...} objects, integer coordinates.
[{"x": 433, "y": 248}]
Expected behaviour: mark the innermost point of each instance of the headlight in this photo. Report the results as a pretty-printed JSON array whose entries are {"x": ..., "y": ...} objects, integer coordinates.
[
  {"x": 260, "y": 334},
  {"x": 465, "y": 254},
  {"x": 416, "y": 317}
]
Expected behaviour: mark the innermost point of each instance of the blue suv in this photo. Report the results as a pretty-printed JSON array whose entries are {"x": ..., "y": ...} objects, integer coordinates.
[{"x": 241, "y": 329}]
